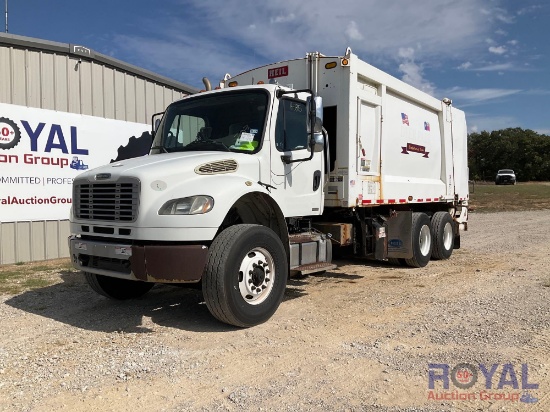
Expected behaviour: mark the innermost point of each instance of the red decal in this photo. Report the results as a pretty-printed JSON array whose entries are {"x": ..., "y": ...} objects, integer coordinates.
[
  {"x": 415, "y": 148},
  {"x": 277, "y": 72}
]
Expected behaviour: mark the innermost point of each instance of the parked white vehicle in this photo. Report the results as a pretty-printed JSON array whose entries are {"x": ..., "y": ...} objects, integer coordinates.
[{"x": 264, "y": 177}]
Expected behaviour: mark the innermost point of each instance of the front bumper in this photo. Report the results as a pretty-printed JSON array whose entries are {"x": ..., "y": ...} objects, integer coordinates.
[{"x": 150, "y": 263}]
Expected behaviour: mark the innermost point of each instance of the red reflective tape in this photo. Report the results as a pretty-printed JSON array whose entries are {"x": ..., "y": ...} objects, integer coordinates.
[
  {"x": 402, "y": 200},
  {"x": 367, "y": 202},
  {"x": 380, "y": 201},
  {"x": 428, "y": 199},
  {"x": 419, "y": 200},
  {"x": 391, "y": 200}
]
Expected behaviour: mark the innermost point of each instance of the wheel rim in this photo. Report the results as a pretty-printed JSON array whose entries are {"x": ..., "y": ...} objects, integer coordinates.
[
  {"x": 256, "y": 276},
  {"x": 448, "y": 236},
  {"x": 425, "y": 240}
]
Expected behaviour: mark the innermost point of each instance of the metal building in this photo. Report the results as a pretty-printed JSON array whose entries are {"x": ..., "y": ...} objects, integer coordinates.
[{"x": 74, "y": 79}]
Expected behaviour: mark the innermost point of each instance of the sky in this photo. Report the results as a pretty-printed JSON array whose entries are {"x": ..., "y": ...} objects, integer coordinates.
[{"x": 491, "y": 57}]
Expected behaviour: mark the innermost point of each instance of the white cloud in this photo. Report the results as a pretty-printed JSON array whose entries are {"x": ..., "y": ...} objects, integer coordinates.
[
  {"x": 413, "y": 72},
  {"x": 498, "y": 50},
  {"x": 238, "y": 35},
  {"x": 352, "y": 32},
  {"x": 495, "y": 67},
  {"x": 470, "y": 97},
  {"x": 465, "y": 66},
  {"x": 283, "y": 18}
]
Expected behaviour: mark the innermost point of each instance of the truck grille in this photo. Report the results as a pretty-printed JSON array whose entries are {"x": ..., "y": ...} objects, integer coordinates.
[{"x": 115, "y": 201}]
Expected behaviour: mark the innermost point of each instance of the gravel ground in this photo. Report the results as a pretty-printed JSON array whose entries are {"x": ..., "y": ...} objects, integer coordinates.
[{"x": 359, "y": 338}]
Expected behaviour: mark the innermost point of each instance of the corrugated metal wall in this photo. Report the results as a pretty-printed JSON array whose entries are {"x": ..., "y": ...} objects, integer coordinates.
[
  {"x": 66, "y": 83},
  {"x": 47, "y": 80}
]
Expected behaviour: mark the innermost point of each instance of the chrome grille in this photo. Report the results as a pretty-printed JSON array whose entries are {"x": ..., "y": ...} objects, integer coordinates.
[
  {"x": 114, "y": 201},
  {"x": 223, "y": 166}
]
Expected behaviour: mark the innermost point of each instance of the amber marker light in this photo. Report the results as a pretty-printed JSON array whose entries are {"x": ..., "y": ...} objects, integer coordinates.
[
  {"x": 234, "y": 83},
  {"x": 261, "y": 82},
  {"x": 345, "y": 62},
  {"x": 330, "y": 65}
]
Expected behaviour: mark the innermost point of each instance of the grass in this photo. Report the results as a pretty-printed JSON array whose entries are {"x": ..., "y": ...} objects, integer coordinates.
[
  {"x": 488, "y": 197},
  {"x": 20, "y": 277}
]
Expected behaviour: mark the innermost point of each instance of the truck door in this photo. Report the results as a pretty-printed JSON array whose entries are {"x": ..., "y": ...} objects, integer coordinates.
[
  {"x": 368, "y": 148},
  {"x": 299, "y": 185}
]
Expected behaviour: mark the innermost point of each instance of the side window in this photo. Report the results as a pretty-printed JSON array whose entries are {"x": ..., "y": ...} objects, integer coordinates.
[
  {"x": 183, "y": 130},
  {"x": 291, "y": 129}
]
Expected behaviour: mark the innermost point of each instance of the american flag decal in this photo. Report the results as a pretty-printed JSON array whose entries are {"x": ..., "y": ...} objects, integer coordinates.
[
  {"x": 405, "y": 119},
  {"x": 426, "y": 126}
]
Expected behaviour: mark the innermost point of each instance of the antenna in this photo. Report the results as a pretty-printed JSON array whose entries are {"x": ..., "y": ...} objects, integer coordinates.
[{"x": 6, "y": 16}]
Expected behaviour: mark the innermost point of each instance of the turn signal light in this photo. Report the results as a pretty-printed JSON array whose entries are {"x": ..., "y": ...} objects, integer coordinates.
[{"x": 234, "y": 83}]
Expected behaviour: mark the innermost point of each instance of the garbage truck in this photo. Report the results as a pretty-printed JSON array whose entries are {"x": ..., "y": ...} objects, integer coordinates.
[{"x": 272, "y": 173}]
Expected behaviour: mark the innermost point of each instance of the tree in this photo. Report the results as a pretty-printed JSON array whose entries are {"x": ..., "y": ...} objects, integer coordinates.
[{"x": 524, "y": 151}]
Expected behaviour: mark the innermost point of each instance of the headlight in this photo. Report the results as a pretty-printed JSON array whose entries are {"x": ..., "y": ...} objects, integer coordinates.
[{"x": 194, "y": 205}]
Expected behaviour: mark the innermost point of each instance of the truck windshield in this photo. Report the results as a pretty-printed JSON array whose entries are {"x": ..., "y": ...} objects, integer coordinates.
[{"x": 226, "y": 121}]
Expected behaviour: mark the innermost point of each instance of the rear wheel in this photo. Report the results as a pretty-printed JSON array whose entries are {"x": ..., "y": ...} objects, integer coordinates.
[
  {"x": 421, "y": 241},
  {"x": 443, "y": 235},
  {"x": 115, "y": 288},
  {"x": 245, "y": 277}
]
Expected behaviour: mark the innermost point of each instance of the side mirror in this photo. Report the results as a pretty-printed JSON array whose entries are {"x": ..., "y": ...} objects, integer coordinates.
[
  {"x": 318, "y": 142},
  {"x": 315, "y": 114},
  {"x": 155, "y": 122}
]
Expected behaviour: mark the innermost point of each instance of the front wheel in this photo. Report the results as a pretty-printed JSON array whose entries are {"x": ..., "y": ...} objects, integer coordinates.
[
  {"x": 422, "y": 240},
  {"x": 115, "y": 288},
  {"x": 245, "y": 276}
]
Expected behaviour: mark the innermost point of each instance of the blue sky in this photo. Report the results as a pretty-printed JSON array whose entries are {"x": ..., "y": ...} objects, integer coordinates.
[{"x": 492, "y": 57}]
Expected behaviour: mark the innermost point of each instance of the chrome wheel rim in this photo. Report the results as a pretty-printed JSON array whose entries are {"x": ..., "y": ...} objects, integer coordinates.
[
  {"x": 425, "y": 240},
  {"x": 448, "y": 236},
  {"x": 256, "y": 276}
]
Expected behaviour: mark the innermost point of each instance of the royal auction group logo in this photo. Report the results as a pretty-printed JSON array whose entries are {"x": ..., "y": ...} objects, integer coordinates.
[
  {"x": 10, "y": 135},
  {"x": 512, "y": 386}
]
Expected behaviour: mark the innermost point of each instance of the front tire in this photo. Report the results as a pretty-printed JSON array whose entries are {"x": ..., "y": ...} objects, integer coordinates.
[
  {"x": 443, "y": 235},
  {"x": 422, "y": 240},
  {"x": 245, "y": 276},
  {"x": 115, "y": 288}
]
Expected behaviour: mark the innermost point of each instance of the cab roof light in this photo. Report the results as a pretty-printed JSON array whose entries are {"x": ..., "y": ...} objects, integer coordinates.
[{"x": 234, "y": 83}]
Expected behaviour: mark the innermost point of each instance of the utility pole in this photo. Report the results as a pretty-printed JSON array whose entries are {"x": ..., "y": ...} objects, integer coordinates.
[{"x": 6, "y": 16}]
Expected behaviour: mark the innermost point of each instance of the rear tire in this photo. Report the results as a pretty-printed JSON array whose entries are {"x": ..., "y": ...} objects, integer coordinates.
[
  {"x": 115, "y": 288},
  {"x": 443, "y": 235},
  {"x": 422, "y": 240},
  {"x": 245, "y": 276}
]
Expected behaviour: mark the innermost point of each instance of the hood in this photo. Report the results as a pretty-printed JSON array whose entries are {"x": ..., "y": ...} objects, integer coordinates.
[{"x": 166, "y": 165}]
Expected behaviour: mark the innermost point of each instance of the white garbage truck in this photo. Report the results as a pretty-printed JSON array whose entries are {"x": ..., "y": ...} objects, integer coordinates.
[{"x": 272, "y": 173}]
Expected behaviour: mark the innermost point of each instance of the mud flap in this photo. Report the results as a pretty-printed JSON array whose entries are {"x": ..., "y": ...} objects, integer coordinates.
[
  {"x": 380, "y": 240},
  {"x": 399, "y": 232}
]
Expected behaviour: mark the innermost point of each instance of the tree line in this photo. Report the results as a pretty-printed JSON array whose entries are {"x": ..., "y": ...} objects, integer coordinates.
[{"x": 525, "y": 151}]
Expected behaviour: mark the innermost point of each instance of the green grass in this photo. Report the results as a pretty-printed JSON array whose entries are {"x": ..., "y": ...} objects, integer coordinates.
[
  {"x": 20, "y": 277},
  {"x": 487, "y": 197}
]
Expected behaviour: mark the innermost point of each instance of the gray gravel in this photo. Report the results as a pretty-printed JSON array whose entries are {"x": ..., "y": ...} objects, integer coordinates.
[{"x": 359, "y": 338}]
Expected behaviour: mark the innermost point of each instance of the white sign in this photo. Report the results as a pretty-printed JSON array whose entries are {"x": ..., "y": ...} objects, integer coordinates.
[{"x": 41, "y": 152}]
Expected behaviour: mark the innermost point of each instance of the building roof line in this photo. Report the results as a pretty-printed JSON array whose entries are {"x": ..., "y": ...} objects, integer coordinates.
[{"x": 83, "y": 52}]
